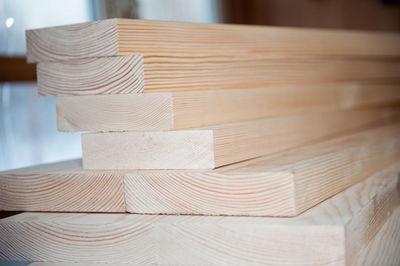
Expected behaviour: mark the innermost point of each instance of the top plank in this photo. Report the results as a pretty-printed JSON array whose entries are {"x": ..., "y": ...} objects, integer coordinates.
[{"x": 158, "y": 38}]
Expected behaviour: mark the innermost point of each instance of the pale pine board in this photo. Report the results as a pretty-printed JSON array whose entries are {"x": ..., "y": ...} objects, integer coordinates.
[
  {"x": 185, "y": 110},
  {"x": 382, "y": 249},
  {"x": 212, "y": 147},
  {"x": 131, "y": 74},
  {"x": 168, "y": 39},
  {"x": 62, "y": 187},
  {"x": 111, "y": 75},
  {"x": 323, "y": 235},
  {"x": 169, "y": 74},
  {"x": 282, "y": 185}
]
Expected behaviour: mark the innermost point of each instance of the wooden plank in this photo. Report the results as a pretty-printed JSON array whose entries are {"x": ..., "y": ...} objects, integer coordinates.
[
  {"x": 185, "y": 110},
  {"x": 322, "y": 235},
  {"x": 204, "y": 73},
  {"x": 281, "y": 185},
  {"x": 384, "y": 248},
  {"x": 167, "y": 39},
  {"x": 62, "y": 187},
  {"x": 111, "y": 75},
  {"x": 212, "y": 147},
  {"x": 87, "y": 76}
]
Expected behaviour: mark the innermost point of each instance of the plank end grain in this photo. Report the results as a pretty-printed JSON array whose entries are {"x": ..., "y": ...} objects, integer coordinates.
[
  {"x": 133, "y": 112},
  {"x": 88, "y": 76},
  {"x": 61, "y": 187},
  {"x": 89, "y": 39},
  {"x": 190, "y": 149}
]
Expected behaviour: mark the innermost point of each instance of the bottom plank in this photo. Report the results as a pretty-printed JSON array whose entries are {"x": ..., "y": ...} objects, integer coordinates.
[
  {"x": 333, "y": 232},
  {"x": 382, "y": 250}
]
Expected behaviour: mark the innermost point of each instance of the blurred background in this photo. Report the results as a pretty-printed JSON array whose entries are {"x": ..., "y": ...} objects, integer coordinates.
[{"x": 28, "y": 128}]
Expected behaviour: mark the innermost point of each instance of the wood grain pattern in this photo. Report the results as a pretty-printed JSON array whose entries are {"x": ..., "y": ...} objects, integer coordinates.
[
  {"x": 212, "y": 147},
  {"x": 94, "y": 39},
  {"x": 384, "y": 248},
  {"x": 128, "y": 74},
  {"x": 318, "y": 236},
  {"x": 189, "y": 149},
  {"x": 285, "y": 184},
  {"x": 227, "y": 72},
  {"x": 192, "y": 109},
  {"x": 282, "y": 185},
  {"x": 127, "y": 36},
  {"x": 62, "y": 187},
  {"x": 104, "y": 75}
]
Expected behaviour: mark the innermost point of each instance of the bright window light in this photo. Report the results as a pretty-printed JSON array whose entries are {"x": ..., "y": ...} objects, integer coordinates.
[{"x": 9, "y": 22}]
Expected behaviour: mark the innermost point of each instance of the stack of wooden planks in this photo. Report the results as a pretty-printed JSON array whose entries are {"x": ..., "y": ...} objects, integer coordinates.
[{"x": 296, "y": 132}]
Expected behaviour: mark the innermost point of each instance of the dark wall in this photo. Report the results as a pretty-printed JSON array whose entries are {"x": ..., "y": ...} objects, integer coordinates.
[{"x": 341, "y": 14}]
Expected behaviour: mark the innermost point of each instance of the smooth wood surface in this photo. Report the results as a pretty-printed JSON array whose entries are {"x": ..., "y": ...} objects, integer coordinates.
[
  {"x": 128, "y": 74},
  {"x": 384, "y": 248},
  {"x": 192, "y": 109},
  {"x": 105, "y": 75},
  {"x": 227, "y": 72},
  {"x": 321, "y": 235},
  {"x": 381, "y": 250},
  {"x": 165, "y": 39},
  {"x": 281, "y": 185},
  {"x": 62, "y": 187},
  {"x": 216, "y": 146},
  {"x": 188, "y": 149}
]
